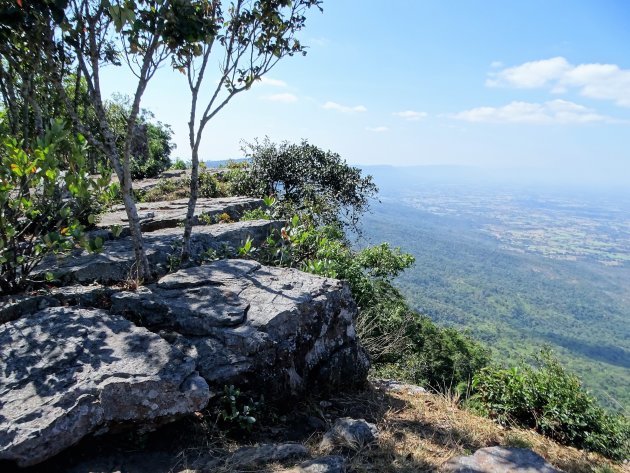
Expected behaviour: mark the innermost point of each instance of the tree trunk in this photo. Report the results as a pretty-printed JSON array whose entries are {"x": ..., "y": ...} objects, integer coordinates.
[{"x": 192, "y": 202}]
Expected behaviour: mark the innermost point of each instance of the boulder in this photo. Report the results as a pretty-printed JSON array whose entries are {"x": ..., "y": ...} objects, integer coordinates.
[
  {"x": 279, "y": 330},
  {"x": 114, "y": 263},
  {"x": 349, "y": 433},
  {"x": 66, "y": 372},
  {"x": 158, "y": 215},
  {"x": 500, "y": 460},
  {"x": 329, "y": 464},
  {"x": 249, "y": 457}
]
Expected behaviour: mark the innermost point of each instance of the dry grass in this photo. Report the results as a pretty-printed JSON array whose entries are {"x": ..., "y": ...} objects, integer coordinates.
[{"x": 420, "y": 432}]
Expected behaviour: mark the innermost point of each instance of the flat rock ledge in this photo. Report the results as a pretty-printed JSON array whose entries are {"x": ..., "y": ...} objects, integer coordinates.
[
  {"x": 169, "y": 214},
  {"x": 115, "y": 262},
  {"x": 281, "y": 331},
  {"x": 66, "y": 372},
  {"x": 500, "y": 460}
]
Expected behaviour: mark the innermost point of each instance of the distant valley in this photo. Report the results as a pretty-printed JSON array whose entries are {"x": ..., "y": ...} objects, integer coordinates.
[{"x": 518, "y": 267}]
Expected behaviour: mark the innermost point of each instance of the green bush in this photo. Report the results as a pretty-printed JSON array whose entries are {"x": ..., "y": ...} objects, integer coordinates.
[
  {"x": 551, "y": 400},
  {"x": 179, "y": 164},
  {"x": 208, "y": 185},
  {"x": 305, "y": 180},
  {"x": 152, "y": 143},
  {"x": 45, "y": 194}
]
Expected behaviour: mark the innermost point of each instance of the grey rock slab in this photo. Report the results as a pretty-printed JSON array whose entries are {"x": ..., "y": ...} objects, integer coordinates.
[
  {"x": 277, "y": 329},
  {"x": 500, "y": 460},
  {"x": 159, "y": 215},
  {"x": 328, "y": 464},
  {"x": 68, "y": 372},
  {"x": 391, "y": 385},
  {"x": 247, "y": 457},
  {"x": 115, "y": 262},
  {"x": 14, "y": 307},
  {"x": 349, "y": 433}
]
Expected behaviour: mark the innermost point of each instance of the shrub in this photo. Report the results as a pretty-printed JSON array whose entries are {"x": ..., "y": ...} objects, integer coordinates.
[
  {"x": 45, "y": 193},
  {"x": 551, "y": 400},
  {"x": 305, "y": 180},
  {"x": 208, "y": 185},
  {"x": 179, "y": 164}
]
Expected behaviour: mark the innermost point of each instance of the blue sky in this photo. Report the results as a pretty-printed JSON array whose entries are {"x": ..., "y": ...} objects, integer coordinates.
[{"x": 530, "y": 84}]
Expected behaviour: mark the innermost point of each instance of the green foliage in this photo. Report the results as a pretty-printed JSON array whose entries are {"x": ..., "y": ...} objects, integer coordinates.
[
  {"x": 266, "y": 213},
  {"x": 305, "y": 179},
  {"x": 179, "y": 164},
  {"x": 443, "y": 359},
  {"x": 551, "y": 400},
  {"x": 208, "y": 185},
  {"x": 41, "y": 206},
  {"x": 256, "y": 214},
  {"x": 238, "y": 411},
  {"x": 152, "y": 141}
]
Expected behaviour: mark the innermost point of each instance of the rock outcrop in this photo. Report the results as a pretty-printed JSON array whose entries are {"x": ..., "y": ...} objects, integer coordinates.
[
  {"x": 114, "y": 263},
  {"x": 159, "y": 215},
  {"x": 353, "y": 434},
  {"x": 500, "y": 460},
  {"x": 67, "y": 372},
  {"x": 81, "y": 358},
  {"x": 278, "y": 329}
]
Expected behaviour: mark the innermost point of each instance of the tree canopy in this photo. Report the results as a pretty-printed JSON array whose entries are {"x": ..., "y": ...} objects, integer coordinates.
[{"x": 303, "y": 176}]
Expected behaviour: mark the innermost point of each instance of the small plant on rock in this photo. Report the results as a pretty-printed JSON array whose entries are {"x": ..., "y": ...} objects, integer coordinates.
[{"x": 238, "y": 411}]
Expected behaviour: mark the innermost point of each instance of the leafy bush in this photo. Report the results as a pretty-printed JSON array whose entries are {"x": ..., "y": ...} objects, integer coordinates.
[
  {"x": 551, "y": 400},
  {"x": 208, "y": 185},
  {"x": 305, "y": 180},
  {"x": 152, "y": 143},
  {"x": 179, "y": 164},
  {"x": 45, "y": 194},
  {"x": 236, "y": 411}
]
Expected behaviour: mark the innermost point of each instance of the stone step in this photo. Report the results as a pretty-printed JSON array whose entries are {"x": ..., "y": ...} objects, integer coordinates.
[
  {"x": 159, "y": 215},
  {"x": 115, "y": 262}
]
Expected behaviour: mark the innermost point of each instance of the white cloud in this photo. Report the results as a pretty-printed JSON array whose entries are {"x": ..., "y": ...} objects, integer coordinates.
[
  {"x": 344, "y": 108},
  {"x": 496, "y": 64},
  {"x": 530, "y": 75},
  {"x": 552, "y": 112},
  {"x": 377, "y": 129},
  {"x": 272, "y": 82},
  {"x": 410, "y": 115},
  {"x": 597, "y": 81},
  {"x": 601, "y": 81},
  {"x": 283, "y": 98}
]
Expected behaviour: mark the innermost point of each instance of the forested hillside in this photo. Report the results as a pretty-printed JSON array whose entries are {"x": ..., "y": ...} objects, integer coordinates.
[{"x": 516, "y": 302}]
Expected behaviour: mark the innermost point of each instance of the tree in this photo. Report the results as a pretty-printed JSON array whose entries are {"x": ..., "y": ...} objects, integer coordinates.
[
  {"x": 249, "y": 37},
  {"x": 49, "y": 39},
  {"x": 152, "y": 144},
  {"x": 304, "y": 177}
]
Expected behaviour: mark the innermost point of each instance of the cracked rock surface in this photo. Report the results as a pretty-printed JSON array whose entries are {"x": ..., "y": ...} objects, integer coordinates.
[
  {"x": 67, "y": 372},
  {"x": 114, "y": 263},
  {"x": 278, "y": 329}
]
